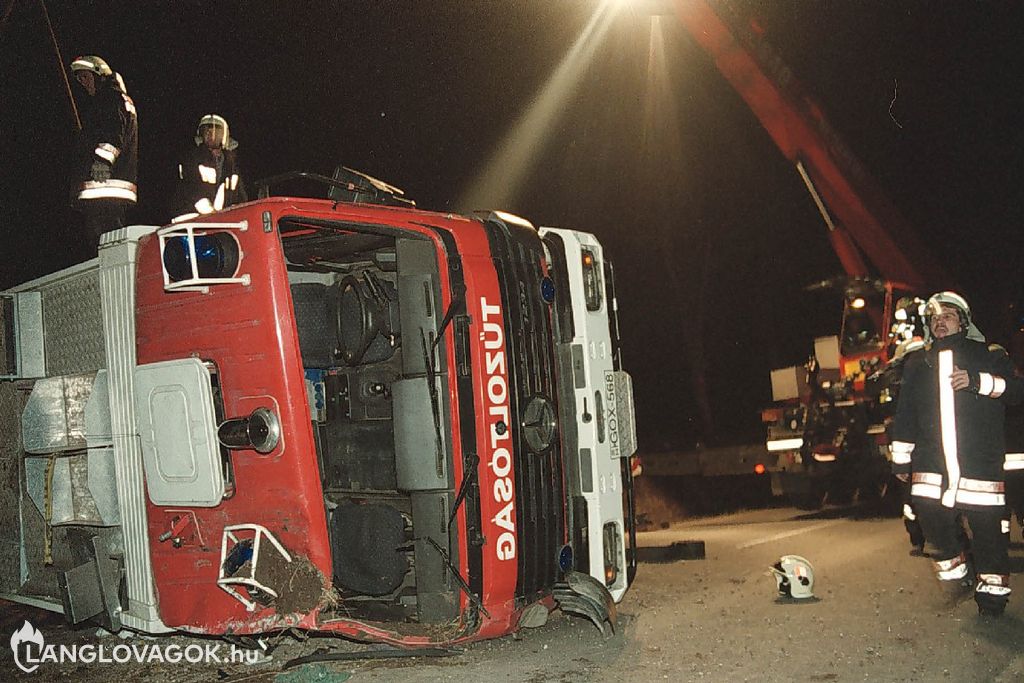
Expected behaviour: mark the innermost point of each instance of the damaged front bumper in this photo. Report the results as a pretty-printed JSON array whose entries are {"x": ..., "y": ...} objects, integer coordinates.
[{"x": 584, "y": 595}]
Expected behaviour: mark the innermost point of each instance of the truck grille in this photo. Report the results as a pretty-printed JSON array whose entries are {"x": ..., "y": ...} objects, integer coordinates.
[{"x": 540, "y": 506}]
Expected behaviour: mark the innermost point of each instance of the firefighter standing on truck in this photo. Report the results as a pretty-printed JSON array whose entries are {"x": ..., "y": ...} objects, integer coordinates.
[
  {"x": 948, "y": 437},
  {"x": 209, "y": 177},
  {"x": 106, "y": 148}
]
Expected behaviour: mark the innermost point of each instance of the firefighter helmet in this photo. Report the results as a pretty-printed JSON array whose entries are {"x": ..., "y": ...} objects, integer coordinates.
[
  {"x": 940, "y": 299},
  {"x": 92, "y": 63},
  {"x": 219, "y": 123},
  {"x": 794, "y": 577}
]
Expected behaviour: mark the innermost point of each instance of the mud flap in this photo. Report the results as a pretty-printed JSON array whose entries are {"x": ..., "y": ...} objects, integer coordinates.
[
  {"x": 92, "y": 589},
  {"x": 584, "y": 595}
]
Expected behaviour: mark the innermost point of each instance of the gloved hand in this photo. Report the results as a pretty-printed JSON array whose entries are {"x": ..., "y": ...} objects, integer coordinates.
[
  {"x": 965, "y": 380},
  {"x": 100, "y": 171}
]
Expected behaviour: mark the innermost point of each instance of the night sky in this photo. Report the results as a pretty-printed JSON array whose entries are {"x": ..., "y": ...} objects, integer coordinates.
[{"x": 712, "y": 232}]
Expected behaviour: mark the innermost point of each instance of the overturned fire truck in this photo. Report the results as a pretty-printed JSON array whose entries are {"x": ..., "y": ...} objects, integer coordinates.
[{"x": 344, "y": 415}]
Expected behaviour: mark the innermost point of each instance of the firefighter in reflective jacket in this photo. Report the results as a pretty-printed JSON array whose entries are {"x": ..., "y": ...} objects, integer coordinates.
[
  {"x": 947, "y": 435},
  {"x": 905, "y": 337},
  {"x": 210, "y": 179},
  {"x": 106, "y": 149}
]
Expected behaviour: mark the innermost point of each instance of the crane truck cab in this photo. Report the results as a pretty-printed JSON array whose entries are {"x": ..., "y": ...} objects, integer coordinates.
[{"x": 826, "y": 432}]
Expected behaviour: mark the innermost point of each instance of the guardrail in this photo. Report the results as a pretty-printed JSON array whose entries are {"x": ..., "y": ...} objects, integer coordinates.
[{"x": 708, "y": 462}]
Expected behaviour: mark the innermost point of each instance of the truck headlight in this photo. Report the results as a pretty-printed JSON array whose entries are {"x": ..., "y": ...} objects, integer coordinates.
[
  {"x": 593, "y": 289},
  {"x": 612, "y": 544}
]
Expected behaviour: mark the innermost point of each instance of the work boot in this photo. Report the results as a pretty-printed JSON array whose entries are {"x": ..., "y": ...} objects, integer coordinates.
[
  {"x": 990, "y": 605},
  {"x": 991, "y": 594}
]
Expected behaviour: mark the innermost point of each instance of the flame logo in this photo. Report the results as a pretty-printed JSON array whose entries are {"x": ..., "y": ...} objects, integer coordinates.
[{"x": 26, "y": 634}]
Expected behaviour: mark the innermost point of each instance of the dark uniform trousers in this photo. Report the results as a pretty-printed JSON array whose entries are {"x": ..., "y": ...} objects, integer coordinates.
[
  {"x": 103, "y": 215},
  {"x": 987, "y": 556},
  {"x": 989, "y": 544}
]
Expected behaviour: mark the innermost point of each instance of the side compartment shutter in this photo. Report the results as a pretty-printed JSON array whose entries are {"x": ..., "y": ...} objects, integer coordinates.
[{"x": 178, "y": 431}]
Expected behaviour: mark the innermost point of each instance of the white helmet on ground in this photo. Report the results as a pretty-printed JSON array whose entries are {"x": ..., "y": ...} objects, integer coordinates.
[{"x": 794, "y": 577}]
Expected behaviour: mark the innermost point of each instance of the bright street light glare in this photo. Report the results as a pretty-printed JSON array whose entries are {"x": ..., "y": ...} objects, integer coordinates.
[{"x": 499, "y": 182}]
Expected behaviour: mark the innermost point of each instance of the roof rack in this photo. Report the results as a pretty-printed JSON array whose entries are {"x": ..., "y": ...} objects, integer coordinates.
[{"x": 347, "y": 185}]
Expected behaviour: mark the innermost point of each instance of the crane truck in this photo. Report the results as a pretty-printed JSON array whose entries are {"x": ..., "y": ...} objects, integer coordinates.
[{"x": 826, "y": 427}]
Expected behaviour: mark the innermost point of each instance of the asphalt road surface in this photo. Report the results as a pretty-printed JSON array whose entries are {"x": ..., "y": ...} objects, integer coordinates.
[{"x": 879, "y": 616}]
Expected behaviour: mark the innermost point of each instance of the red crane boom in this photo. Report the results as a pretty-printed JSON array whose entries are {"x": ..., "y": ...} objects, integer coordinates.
[{"x": 867, "y": 232}]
